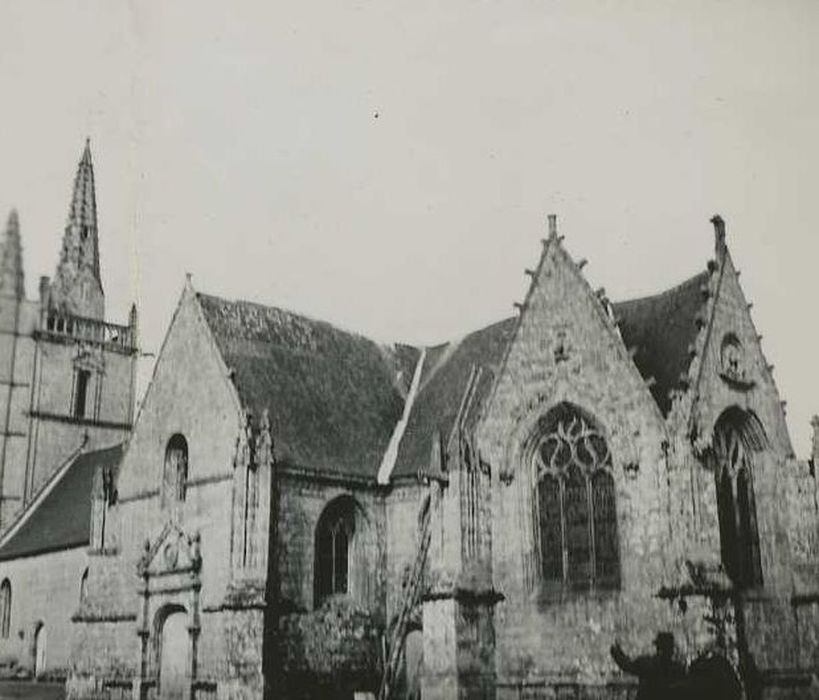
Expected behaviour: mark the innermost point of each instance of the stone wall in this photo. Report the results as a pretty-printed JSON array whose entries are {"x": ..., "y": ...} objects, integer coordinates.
[
  {"x": 566, "y": 635},
  {"x": 45, "y": 589},
  {"x": 17, "y": 323},
  {"x": 42, "y": 431},
  {"x": 402, "y": 506},
  {"x": 197, "y": 401}
]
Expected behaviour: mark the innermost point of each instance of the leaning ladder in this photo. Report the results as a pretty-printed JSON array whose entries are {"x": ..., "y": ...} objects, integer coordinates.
[{"x": 412, "y": 597}]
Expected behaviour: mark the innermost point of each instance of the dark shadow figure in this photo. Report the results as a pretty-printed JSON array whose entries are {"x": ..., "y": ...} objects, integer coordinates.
[
  {"x": 711, "y": 677},
  {"x": 661, "y": 676}
]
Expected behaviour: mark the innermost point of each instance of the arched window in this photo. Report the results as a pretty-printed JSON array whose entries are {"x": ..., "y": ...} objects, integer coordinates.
[
  {"x": 737, "y": 435},
  {"x": 175, "y": 475},
  {"x": 575, "y": 502},
  {"x": 5, "y": 608},
  {"x": 334, "y": 537}
]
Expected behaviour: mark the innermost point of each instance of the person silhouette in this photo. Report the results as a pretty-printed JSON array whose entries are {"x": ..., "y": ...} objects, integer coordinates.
[{"x": 660, "y": 674}]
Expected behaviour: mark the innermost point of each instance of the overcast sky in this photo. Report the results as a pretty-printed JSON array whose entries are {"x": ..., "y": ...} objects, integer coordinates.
[{"x": 388, "y": 165}]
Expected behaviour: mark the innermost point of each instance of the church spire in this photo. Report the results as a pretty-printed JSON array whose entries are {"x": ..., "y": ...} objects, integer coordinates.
[
  {"x": 77, "y": 287},
  {"x": 11, "y": 260}
]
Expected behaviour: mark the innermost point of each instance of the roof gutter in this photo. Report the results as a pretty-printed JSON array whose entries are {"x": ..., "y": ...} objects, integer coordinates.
[{"x": 391, "y": 455}]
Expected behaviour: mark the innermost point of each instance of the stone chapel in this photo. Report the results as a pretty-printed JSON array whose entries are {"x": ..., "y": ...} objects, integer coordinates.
[{"x": 300, "y": 512}]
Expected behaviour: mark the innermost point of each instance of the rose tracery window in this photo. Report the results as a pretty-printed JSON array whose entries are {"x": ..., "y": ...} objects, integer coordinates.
[{"x": 575, "y": 502}]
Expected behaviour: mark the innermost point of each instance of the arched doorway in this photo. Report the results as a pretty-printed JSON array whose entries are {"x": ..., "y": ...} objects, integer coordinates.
[
  {"x": 39, "y": 650},
  {"x": 174, "y": 642}
]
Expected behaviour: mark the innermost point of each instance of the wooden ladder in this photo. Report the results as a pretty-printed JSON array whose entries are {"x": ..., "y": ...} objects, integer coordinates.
[{"x": 412, "y": 597}]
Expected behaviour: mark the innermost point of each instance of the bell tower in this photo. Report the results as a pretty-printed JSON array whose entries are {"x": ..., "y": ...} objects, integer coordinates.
[{"x": 77, "y": 288}]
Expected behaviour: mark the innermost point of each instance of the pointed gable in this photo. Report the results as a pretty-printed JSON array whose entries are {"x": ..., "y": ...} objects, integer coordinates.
[
  {"x": 730, "y": 332},
  {"x": 566, "y": 347},
  {"x": 333, "y": 397},
  {"x": 11, "y": 260}
]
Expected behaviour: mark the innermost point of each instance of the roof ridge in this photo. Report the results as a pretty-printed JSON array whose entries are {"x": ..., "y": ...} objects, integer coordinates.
[
  {"x": 669, "y": 290},
  {"x": 302, "y": 317}
]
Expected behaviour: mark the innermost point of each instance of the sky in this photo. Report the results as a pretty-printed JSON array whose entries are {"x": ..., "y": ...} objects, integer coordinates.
[{"x": 389, "y": 165}]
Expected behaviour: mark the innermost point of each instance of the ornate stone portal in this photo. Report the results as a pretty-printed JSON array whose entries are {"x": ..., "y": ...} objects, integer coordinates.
[{"x": 170, "y": 584}]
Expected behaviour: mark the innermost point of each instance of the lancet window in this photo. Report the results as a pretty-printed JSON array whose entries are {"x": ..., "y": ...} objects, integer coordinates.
[
  {"x": 735, "y": 439},
  {"x": 175, "y": 473},
  {"x": 334, "y": 539}
]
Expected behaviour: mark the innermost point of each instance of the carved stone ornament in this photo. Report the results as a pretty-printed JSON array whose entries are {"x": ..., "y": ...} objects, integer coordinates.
[
  {"x": 562, "y": 348},
  {"x": 171, "y": 554},
  {"x": 733, "y": 364}
]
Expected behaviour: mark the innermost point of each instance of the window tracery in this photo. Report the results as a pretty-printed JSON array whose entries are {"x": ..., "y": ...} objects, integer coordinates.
[
  {"x": 736, "y": 509},
  {"x": 334, "y": 539},
  {"x": 575, "y": 502}
]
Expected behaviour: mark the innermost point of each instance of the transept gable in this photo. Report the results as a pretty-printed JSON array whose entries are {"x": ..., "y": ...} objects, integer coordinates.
[
  {"x": 729, "y": 367},
  {"x": 566, "y": 347},
  {"x": 190, "y": 393}
]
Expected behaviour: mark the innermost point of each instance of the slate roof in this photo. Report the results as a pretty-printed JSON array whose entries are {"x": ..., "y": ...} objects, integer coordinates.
[
  {"x": 444, "y": 380},
  {"x": 663, "y": 328},
  {"x": 333, "y": 397},
  {"x": 62, "y": 520}
]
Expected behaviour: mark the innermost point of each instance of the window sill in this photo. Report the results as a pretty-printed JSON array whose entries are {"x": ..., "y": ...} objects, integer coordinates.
[{"x": 556, "y": 594}]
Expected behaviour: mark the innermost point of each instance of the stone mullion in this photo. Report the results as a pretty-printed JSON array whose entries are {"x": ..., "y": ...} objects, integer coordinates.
[
  {"x": 564, "y": 555},
  {"x": 592, "y": 546}
]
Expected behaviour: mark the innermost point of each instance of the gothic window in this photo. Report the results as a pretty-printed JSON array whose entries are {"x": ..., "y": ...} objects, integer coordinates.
[
  {"x": 5, "y": 608},
  {"x": 334, "y": 538},
  {"x": 81, "y": 392},
  {"x": 575, "y": 503},
  {"x": 251, "y": 512},
  {"x": 175, "y": 475},
  {"x": 735, "y": 440}
]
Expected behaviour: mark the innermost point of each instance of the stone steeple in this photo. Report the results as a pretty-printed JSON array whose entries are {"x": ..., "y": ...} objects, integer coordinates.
[
  {"x": 77, "y": 288},
  {"x": 11, "y": 260}
]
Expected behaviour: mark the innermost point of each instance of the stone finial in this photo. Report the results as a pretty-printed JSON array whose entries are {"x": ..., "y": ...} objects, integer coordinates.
[
  {"x": 719, "y": 236},
  {"x": 552, "y": 225},
  {"x": 814, "y": 422},
  {"x": 11, "y": 260},
  {"x": 45, "y": 286},
  {"x": 132, "y": 316}
]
